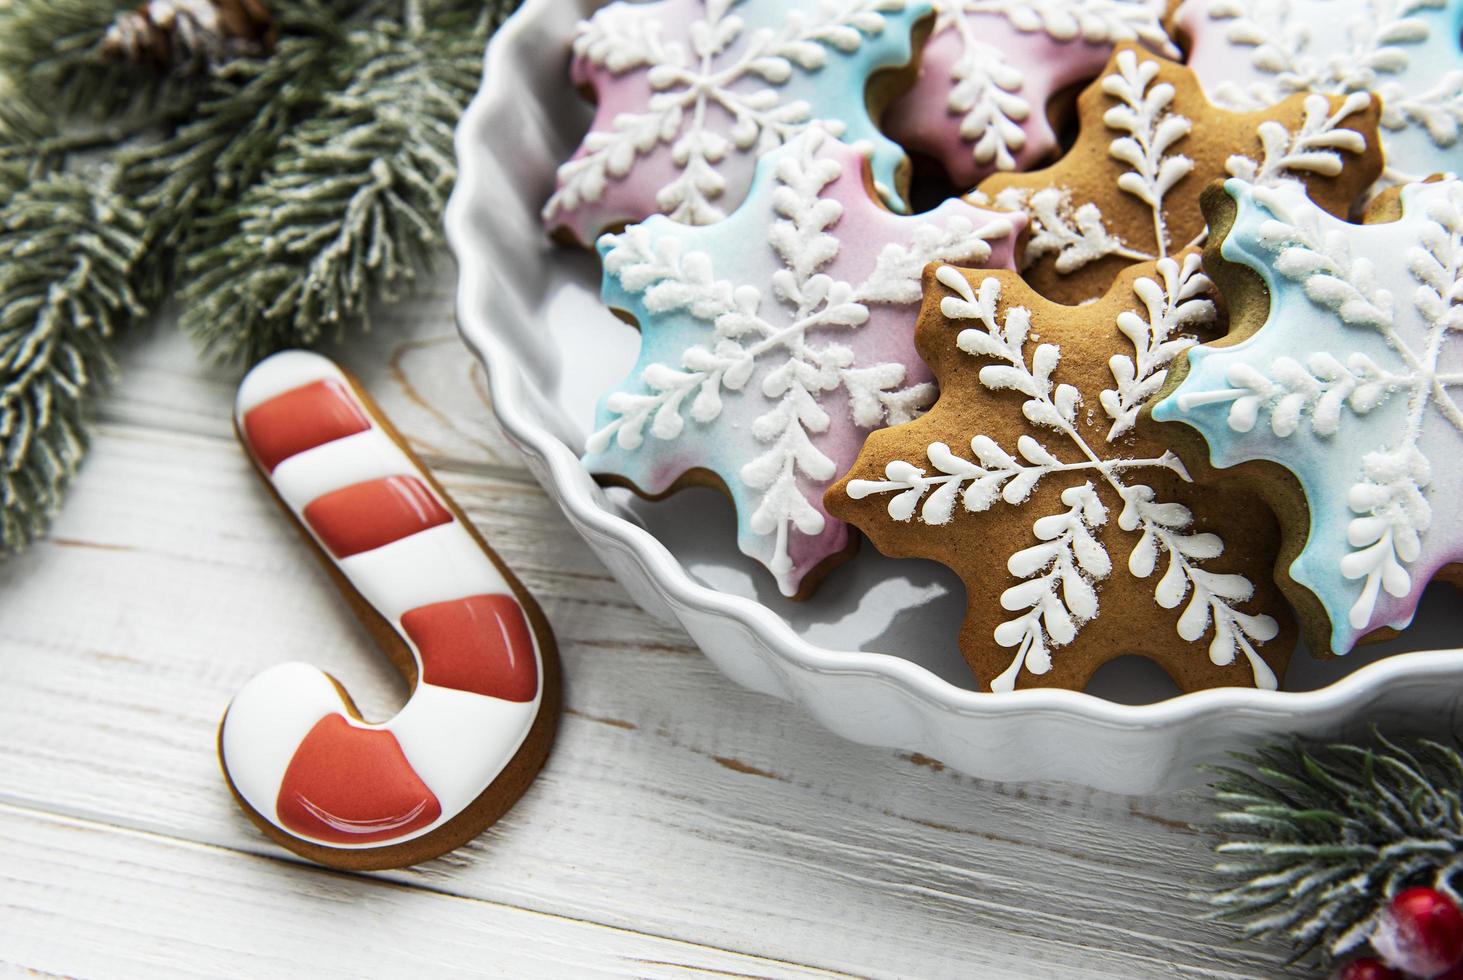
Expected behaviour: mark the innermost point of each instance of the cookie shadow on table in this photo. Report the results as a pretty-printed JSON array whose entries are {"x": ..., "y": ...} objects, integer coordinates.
[
  {"x": 869, "y": 603},
  {"x": 913, "y": 608}
]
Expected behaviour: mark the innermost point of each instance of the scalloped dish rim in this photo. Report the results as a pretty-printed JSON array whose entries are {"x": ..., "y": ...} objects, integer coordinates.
[{"x": 571, "y": 486}]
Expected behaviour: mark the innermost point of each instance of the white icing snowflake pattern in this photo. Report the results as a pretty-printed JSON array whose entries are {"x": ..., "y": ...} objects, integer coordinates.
[
  {"x": 1400, "y": 283},
  {"x": 1254, "y": 53},
  {"x": 719, "y": 92},
  {"x": 1148, "y": 141},
  {"x": 1062, "y": 571},
  {"x": 987, "y": 82},
  {"x": 778, "y": 338}
]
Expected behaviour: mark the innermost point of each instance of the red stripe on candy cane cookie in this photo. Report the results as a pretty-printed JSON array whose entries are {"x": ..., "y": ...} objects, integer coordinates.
[
  {"x": 319, "y": 779},
  {"x": 353, "y": 785},
  {"x": 368, "y": 515},
  {"x": 480, "y": 644},
  {"x": 302, "y": 419}
]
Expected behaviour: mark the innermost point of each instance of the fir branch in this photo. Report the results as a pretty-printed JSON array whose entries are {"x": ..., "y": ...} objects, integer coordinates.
[
  {"x": 1317, "y": 840},
  {"x": 102, "y": 58},
  {"x": 317, "y": 175},
  {"x": 227, "y": 138},
  {"x": 50, "y": 48},
  {"x": 348, "y": 208},
  {"x": 22, "y": 125},
  {"x": 67, "y": 251}
]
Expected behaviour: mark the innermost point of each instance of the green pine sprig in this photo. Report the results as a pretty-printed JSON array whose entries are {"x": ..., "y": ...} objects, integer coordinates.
[
  {"x": 1317, "y": 840},
  {"x": 22, "y": 128},
  {"x": 68, "y": 248},
  {"x": 276, "y": 197},
  {"x": 218, "y": 147},
  {"x": 348, "y": 207},
  {"x": 48, "y": 49}
]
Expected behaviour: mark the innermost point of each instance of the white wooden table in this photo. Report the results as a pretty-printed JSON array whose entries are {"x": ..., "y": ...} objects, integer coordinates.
[{"x": 683, "y": 826}]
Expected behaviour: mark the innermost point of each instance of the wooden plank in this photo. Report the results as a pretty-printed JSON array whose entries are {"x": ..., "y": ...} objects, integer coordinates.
[
  {"x": 411, "y": 359},
  {"x": 675, "y": 803},
  {"x": 82, "y": 898}
]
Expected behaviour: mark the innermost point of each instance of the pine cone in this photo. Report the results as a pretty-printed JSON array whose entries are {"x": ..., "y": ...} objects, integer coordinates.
[{"x": 186, "y": 37}]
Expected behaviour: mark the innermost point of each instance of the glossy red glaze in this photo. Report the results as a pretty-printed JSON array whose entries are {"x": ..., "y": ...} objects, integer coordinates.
[
  {"x": 349, "y": 785},
  {"x": 302, "y": 419},
  {"x": 368, "y": 515},
  {"x": 480, "y": 644}
]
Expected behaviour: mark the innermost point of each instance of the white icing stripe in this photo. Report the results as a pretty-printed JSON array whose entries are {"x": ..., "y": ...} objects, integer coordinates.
[
  {"x": 434, "y": 565},
  {"x": 344, "y": 462},
  {"x": 266, "y": 723},
  {"x": 439, "y": 725},
  {"x": 283, "y": 372},
  {"x": 274, "y": 712}
]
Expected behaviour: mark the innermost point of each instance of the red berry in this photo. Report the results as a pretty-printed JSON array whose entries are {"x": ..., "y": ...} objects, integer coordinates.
[
  {"x": 1366, "y": 968},
  {"x": 1420, "y": 933}
]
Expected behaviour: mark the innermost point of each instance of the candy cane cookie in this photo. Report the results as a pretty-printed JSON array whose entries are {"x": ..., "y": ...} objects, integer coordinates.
[{"x": 457, "y": 624}]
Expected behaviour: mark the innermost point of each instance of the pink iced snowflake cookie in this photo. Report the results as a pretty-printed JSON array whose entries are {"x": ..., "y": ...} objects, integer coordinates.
[
  {"x": 690, "y": 93},
  {"x": 1252, "y": 53},
  {"x": 773, "y": 341},
  {"x": 991, "y": 68}
]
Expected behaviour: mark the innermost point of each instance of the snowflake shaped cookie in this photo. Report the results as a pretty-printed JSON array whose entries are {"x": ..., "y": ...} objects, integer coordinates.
[
  {"x": 1079, "y": 537},
  {"x": 991, "y": 67},
  {"x": 691, "y": 92},
  {"x": 773, "y": 341},
  {"x": 1253, "y": 53},
  {"x": 1128, "y": 189},
  {"x": 1349, "y": 378}
]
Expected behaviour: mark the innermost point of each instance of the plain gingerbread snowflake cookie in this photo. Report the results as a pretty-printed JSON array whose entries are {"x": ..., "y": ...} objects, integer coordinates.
[
  {"x": 1253, "y": 53},
  {"x": 1128, "y": 189},
  {"x": 1340, "y": 380},
  {"x": 991, "y": 69},
  {"x": 774, "y": 340},
  {"x": 1079, "y": 537},
  {"x": 690, "y": 93}
]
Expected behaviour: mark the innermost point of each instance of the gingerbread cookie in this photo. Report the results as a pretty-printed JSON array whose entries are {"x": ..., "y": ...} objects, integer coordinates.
[
  {"x": 459, "y": 626},
  {"x": 691, "y": 92},
  {"x": 1128, "y": 190},
  {"x": 772, "y": 341},
  {"x": 993, "y": 70},
  {"x": 1079, "y": 539},
  {"x": 1341, "y": 376},
  {"x": 1253, "y": 53}
]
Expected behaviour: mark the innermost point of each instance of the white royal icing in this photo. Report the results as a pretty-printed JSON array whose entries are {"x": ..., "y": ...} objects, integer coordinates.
[
  {"x": 1001, "y": 60},
  {"x": 265, "y": 724},
  {"x": 456, "y": 741},
  {"x": 757, "y": 331},
  {"x": 433, "y": 565},
  {"x": 692, "y": 92},
  {"x": 1351, "y": 384},
  {"x": 1062, "y": 570},
  {"x": 288, "y": 370},
  {"x": 1149, "y": 138},
  {"x": 1254, "y": 53},
  {"x": 368, "y": 455},
  {"x": 439, "y": 724}
]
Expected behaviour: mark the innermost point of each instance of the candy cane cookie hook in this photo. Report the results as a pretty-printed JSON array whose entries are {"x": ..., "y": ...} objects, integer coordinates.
[{"x": 465, "y": 633}]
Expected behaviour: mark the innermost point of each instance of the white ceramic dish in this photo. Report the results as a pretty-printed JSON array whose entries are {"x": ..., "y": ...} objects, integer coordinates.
[{"x": 872, "y": 656}]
